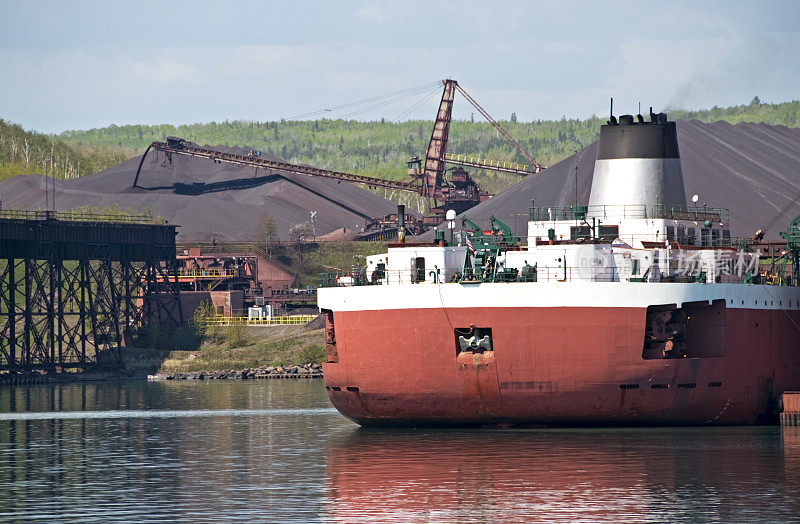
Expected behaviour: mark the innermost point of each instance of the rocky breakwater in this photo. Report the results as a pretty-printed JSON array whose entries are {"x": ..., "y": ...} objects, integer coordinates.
[{"x": 305, "y": 371}]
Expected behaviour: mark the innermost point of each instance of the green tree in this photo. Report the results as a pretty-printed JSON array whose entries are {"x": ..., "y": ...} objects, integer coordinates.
[
  {"x": 298, "y": 235},
  {"x": 270, "y": 232}
]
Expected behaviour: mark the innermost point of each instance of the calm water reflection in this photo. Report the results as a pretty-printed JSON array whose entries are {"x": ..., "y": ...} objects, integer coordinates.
[{"x": 276, "y": 451}]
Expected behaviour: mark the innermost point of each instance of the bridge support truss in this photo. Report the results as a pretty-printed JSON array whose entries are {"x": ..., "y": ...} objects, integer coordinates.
[{"x": 73, "y": 293}]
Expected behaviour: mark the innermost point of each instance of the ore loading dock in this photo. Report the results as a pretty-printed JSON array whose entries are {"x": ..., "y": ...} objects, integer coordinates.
[{"x": 220, "y": 196}]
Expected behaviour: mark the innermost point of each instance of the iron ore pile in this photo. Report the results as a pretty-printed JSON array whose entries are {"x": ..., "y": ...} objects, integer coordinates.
[
  {"x": 751, "y": 169},
  {"x": 209, "y": 201}
]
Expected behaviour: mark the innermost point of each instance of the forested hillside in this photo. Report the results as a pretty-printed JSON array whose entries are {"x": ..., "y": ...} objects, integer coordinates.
[
  {"x": 377, "y": 148},
  {"x": 786, "y": 113},
  {"x": 374, "y": 148},
  {"x": 24, "y": 152},
  {"x": 383, "y": 148}
]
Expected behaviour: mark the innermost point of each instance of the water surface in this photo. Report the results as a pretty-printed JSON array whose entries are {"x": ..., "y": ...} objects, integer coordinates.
[{"x": 276, "y": 451}]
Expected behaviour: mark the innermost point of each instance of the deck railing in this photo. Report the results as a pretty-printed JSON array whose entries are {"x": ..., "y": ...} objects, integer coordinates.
[
  {"x": 241, "y": 320},
  {"x": 210, "y": 273},
  {"x": 696, "y": 213},
  {"x": 691, "y": 270}
]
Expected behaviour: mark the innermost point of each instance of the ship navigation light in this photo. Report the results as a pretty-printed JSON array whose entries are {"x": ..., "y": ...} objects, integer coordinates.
[{"x": 450, "y": 216}]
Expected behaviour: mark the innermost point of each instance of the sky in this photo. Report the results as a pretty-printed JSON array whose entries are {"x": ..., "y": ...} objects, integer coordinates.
[{"x": 84, "y": 64}]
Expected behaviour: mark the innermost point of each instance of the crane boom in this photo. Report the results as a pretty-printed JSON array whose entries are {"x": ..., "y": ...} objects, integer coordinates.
[
  {"x": 433, "y": 170},
  {"x": 536, "y": 166},
  {"x": 179, "y": 146},
  {"x": 493, "y": 165},
  {"x": 460, "y": 192}
]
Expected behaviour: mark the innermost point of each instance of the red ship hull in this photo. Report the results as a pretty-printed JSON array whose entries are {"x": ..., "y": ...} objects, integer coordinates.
[{"x": 555, "y": 366}]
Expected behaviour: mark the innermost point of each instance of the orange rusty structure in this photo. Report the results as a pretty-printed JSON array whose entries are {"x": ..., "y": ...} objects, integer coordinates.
[{"x": 459, "y": 192}]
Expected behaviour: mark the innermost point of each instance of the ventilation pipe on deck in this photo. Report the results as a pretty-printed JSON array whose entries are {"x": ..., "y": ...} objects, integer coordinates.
[{"x": 401, "y": 223}]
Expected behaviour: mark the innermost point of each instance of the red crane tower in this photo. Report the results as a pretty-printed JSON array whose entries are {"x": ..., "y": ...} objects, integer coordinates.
[{"x": 459, "y": 192}]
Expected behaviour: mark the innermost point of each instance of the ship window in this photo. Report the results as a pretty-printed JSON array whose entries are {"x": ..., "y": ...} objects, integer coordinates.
[
  {"x": 715, "y": 236},
  {"x": 705, "y": 237},
  {"x": 473, "y": 339},
  {"x": 635, "y": 266},
  {"x": 715, "y": 384},
  {"x": 609, "y": 233},
  {"x": 681, "y": 234},
  {"x": 418, "y": 269},
  {"x": 378, "y": 273},
  {"x": 671, "y": 233},
  {"x": 577, "y": 232},
  {"x": 690, "y": 236}
]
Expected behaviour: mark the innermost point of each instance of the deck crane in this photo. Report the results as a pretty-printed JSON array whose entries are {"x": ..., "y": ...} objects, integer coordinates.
[{"x": 460, "y": 192}]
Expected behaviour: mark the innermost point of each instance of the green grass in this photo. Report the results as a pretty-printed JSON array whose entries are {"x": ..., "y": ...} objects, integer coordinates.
[
  {"x": 258, "y": 352},
  {"x": 222, "y": 348}
]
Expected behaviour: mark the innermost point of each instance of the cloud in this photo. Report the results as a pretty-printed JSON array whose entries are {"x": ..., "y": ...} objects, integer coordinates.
[
  {"x": 165, "y": 71},
  {"x": 371, "y": 11},
  {"x": 540, "y": 62}
]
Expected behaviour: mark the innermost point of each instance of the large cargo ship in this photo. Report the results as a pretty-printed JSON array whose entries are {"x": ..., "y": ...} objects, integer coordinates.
[{"x": 638, "y": 309}]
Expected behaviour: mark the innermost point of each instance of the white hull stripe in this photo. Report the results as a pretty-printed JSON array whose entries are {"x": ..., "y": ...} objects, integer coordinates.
[{"x": 554, "y": 294}]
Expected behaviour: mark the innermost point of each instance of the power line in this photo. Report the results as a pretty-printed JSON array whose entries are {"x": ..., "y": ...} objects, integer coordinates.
[
  {"x": 381, "y": 104},
  {"x": 416, "y": 106},
  {"x": 413, "y": 90},
  {"x": 382, "y": 100}
]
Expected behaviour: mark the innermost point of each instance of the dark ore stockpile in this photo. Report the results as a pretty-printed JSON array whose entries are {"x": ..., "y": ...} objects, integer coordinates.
[
  {"x": 751, "y": 169},
  {"x": 208, "y": 200}
]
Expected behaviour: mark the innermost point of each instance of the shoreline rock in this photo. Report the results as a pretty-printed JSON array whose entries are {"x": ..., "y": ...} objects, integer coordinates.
[{"x": 265, "y": 372}]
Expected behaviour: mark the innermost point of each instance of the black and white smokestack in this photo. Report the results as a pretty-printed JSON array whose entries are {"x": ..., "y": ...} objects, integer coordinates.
[{"x": 638, "y": 163}]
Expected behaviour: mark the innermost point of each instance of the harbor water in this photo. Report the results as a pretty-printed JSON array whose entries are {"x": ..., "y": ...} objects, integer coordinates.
[{"x": 276, "y": 451}]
